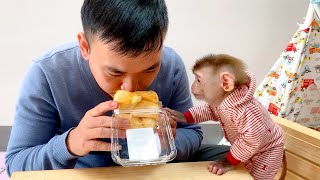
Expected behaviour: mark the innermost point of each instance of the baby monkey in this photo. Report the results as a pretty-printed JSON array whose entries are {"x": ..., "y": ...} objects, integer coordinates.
[{"x": 227, "y": 88}]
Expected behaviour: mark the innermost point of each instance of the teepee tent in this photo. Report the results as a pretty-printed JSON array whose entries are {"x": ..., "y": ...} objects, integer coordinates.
[{"x": 292, "y": 87}]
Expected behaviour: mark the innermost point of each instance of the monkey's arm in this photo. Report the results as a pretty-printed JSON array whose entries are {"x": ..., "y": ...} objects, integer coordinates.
[{"x": 200, "y": 114}]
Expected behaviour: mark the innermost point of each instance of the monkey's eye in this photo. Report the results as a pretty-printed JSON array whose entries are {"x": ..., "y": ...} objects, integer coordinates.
[{"x": 198, "y": 80}]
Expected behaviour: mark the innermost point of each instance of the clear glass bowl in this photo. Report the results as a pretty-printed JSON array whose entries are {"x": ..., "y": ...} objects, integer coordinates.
[{"x": 148, "y": 141}]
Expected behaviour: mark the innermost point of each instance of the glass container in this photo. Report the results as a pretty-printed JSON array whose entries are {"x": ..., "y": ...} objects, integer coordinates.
[{"x": 148, "y": 141}]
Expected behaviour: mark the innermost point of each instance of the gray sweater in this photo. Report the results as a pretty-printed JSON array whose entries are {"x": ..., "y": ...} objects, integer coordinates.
[{"x": 57, "y": 91}]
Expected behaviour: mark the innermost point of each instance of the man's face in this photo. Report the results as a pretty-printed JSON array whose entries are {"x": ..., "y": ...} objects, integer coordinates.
[
  {"x": 113, "y": 71},
  {"x": 206, "y": 85}
]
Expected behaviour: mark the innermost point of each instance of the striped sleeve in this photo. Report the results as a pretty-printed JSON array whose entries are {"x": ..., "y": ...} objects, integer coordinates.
[
  {"x": 251, "y": 134},
  {"x": 202, "y": 113}
]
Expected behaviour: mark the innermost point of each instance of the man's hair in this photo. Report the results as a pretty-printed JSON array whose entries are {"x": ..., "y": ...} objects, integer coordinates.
[
  {"x": 134, "y": 26},
  {"x": 219, "y": 61}
]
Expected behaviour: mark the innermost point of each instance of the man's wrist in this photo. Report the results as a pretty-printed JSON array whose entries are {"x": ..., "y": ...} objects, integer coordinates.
[
  {"x": 61, "y": 152},
  {"x": 68, "y": 142}
]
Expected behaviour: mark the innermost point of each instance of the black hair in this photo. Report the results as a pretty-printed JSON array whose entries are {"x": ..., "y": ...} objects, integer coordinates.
[{"x": 135, "y": 26}]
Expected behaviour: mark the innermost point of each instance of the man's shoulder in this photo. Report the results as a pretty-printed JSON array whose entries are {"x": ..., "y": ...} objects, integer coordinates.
[
  {"x": 65, "y": 50},
  {"x": 171, "y": 58},
  {"x": 168, "y": 52},
  {"x": 167, "y": 49}
]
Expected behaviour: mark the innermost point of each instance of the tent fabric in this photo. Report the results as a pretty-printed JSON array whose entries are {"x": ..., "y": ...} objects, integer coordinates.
[
  {"x": 316, "y": 6},
  {"x": 292, "y": 87},
  {"x": 315, "y": 1}
]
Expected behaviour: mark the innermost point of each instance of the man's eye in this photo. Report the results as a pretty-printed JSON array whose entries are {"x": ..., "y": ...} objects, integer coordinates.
[
  {"x": 115, "y": 74},
  {"x": 150, "y": 70},
  {"x": 198, "y": 80}
]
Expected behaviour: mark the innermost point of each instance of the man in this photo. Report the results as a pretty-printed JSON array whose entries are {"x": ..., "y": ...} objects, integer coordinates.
[
  {"x": 65, "y": 102},
  {"x": 65, "y": 105}
]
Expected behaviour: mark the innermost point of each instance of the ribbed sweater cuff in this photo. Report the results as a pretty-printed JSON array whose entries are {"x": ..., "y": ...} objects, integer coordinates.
[{"x": 60, "y": 150}]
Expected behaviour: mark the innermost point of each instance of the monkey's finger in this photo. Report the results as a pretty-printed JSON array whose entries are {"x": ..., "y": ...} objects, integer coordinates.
[{"x": 168, "y": 111}]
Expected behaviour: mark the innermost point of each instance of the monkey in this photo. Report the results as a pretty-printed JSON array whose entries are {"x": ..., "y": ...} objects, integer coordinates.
[{"x": 227, "y": 89}]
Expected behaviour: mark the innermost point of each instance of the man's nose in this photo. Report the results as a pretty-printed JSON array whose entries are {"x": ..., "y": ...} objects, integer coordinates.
[{"x": 130, "y": 84}]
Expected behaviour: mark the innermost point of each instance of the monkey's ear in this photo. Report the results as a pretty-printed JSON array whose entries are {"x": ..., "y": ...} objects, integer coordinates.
[{"x": 227, "y": 81}]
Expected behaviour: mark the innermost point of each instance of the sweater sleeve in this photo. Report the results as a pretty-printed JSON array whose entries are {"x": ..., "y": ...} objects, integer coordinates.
[
  {"x": 35, "y": 142},
  {"x": 200, "y": 114},
  {"x": 250, "y": 140}
]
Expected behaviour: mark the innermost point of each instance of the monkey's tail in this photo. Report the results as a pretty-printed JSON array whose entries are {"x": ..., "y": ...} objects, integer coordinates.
[{"x": 284, "y": 167}]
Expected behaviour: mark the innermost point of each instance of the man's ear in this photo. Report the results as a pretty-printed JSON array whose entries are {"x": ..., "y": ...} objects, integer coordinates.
[
  {"x": 227, "y": 81},
  {"x": 84, "y": 45}
]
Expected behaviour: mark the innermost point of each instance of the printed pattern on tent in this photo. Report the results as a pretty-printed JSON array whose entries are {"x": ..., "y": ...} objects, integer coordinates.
[{"x": 292, "y": 87}]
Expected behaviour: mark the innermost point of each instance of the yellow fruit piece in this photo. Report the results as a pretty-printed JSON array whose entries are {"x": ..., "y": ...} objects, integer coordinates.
[
  {"x": 135, "y": 101},
  {"x": 122, "y": 96},
  {"x": 126, "y": 106},
  {"x": 148, "y": 96},
  {"x": 146, "y": 115},
  {"x": 135, "y": 122},
  {"x": 126, "y": 97},
  {"x": 149, "y": 122},
  {"x": 145, "y": 104}
]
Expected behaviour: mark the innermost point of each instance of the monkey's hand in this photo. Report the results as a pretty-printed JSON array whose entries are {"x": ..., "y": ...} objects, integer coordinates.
[
  {"x": 220, "y": 166},
  {"x": 176, "y": 115}
]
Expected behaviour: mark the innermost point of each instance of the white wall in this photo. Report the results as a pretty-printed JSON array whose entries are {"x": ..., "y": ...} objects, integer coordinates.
[{"x": 255, "y": 31}]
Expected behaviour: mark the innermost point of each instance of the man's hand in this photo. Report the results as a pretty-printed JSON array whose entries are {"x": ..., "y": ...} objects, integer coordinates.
[
  {"x": 84, "y": 138},
  {"x": 220, "y": 166}
]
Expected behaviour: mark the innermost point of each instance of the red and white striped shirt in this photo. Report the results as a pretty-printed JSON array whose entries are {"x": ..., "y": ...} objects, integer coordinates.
[{"x": 247, "y": 124}]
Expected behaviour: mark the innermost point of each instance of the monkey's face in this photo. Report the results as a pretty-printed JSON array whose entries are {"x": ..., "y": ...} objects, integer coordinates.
[{"x": 207, "y": 86}]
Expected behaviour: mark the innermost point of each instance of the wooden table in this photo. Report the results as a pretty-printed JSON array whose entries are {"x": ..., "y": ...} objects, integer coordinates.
[{"x": 191, "y": 170}]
